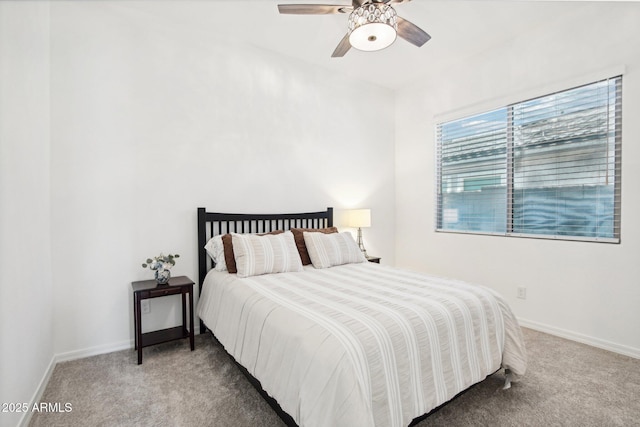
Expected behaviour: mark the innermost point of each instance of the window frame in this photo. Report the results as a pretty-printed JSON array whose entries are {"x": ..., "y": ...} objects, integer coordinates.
[{"x": 509, "y": 168}]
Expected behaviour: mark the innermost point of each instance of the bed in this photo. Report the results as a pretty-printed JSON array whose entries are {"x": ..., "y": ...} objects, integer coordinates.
[{"x": 341, "y": 341}]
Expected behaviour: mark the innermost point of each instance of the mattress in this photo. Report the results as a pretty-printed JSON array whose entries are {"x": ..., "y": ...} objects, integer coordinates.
[{"x": 361, "y": 344}]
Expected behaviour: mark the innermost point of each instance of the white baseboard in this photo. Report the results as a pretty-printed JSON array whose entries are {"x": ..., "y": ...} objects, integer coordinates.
[
  {"x": 100, "y": 349},
  {"x": 581, "y": 338},
  {"x": 94, "y": 351},
  {"x": 26, "y": 417}
]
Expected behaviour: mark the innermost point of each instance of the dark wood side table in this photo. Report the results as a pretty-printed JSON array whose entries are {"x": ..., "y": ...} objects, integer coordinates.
[
  {"x": 373, "y": 259},
  {"x": 146, "y": 289}
]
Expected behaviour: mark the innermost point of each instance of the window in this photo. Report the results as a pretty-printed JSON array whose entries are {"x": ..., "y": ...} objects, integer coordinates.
[{"x": 548, "y": 167}]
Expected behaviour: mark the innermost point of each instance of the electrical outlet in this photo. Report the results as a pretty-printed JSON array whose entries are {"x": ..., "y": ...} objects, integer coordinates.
[
  {"x": 144, "y": 306},
  {"x": 522, "y": 292}
]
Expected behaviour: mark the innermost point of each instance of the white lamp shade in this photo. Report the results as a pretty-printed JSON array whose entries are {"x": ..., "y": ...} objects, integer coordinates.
[{"x": 359, "y": 218}]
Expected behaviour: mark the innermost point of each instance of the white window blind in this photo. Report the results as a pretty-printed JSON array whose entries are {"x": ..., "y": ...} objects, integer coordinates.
[{"x": 547, "y": 167}]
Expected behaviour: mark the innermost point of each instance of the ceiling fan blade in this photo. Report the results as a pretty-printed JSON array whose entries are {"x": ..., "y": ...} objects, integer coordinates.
[
  {"x": 342, "y": 48},
  {"x": 412, "y": 33},
  {"x": 311, "y": 9}
]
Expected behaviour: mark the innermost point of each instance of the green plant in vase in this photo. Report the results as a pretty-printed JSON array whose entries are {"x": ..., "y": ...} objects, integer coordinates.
[{"x": 161, "y": 265}]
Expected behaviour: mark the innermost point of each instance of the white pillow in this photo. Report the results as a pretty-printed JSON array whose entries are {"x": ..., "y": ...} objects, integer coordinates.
[
  {"x": 215, "y": 250},
  {"x": 271, "y": 253},
  {"x": 326, "y": 250}
]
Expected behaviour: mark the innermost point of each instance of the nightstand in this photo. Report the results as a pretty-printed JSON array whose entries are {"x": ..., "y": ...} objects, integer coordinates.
[
  {"x": 373, "y": 259},
  {"x": 147, "y": 289}
]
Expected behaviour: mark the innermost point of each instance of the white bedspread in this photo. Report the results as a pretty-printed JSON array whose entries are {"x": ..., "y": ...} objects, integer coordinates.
[{"x": 361, "y": 344}]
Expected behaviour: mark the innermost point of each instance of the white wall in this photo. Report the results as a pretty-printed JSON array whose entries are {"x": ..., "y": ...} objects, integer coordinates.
[
  {"x": 117, "y": 122},
  {"x": 152, "y": 119},
  {"x": 586, "y": 291},
  {"x": 26, "y": 333}
]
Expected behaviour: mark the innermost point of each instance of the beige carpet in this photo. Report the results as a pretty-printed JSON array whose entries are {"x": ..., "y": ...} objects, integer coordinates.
[{"x": 568, "y": 384}]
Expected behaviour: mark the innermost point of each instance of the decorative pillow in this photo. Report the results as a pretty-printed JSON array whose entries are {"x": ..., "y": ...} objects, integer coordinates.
[
  {"x": 229, "y": 257},
  {"x": 215, "y": 249},
  {"x": 299, "y": 238},
  {"x": 326, "y": 250},
  {"x": 256, "y": 255}
]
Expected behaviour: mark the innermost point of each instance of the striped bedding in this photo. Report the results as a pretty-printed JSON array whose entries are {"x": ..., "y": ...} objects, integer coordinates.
[{"x": 361, "y": 344}]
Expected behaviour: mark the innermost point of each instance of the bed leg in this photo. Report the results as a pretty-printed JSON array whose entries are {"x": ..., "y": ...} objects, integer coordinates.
[{"x": 507, "y": 379}]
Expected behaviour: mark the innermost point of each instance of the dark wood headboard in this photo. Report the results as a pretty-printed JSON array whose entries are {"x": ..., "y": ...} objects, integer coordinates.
[{"x": 214, "y": 223}]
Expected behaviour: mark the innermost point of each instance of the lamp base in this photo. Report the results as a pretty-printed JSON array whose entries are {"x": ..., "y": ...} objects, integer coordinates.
[{"x": 360, "y": 244}]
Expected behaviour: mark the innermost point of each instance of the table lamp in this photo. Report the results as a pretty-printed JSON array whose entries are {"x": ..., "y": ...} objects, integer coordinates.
[{"x": 358, "y": 218}]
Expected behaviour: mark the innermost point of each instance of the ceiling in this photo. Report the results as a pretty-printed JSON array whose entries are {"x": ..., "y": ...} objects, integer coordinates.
[{"x": 458, "y": 29}]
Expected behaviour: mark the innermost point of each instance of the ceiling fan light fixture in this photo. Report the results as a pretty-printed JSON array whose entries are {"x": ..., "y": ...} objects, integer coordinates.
[{"x": 372, "y": 26}]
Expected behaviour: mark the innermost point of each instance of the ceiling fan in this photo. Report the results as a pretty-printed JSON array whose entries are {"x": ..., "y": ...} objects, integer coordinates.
[{"x": 373, "y": 24}]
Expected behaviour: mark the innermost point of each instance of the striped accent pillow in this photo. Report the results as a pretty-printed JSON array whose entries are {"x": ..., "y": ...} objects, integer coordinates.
[
  {"x": 326, "y": 250},
  {"x": 298, "y": 236},
  {"x": 256, "y": 255}
]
